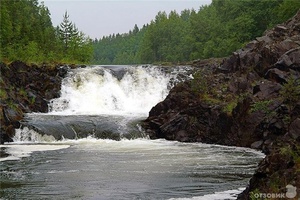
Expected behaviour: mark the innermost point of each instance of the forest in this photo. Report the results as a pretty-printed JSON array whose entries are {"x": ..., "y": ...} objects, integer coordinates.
[
  {"x": 214, "y": 30},
  {"x": 27, "y": 34}
]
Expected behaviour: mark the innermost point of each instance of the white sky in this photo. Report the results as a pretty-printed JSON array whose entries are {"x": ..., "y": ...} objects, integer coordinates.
[{"x": 97, "y": 18}]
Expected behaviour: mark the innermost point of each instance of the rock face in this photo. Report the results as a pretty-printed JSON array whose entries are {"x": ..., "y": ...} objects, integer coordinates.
[
  {"x": 25, "y": 89},
  {"x": 250, "y": 99}
]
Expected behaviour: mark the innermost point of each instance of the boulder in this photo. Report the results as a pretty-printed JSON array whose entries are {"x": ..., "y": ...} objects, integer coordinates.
[
  {"x": 277, "y": 75},
  {"x": 290, "y": 59},
  {"x": 63, "y": 70},
  {"x": 266, "y": 90},
  {"x": 257, "y": 144},
  {"x": 12, "y": 115}
]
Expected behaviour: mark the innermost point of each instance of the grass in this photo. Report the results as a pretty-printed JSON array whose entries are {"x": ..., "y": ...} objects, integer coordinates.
[
  {"x": 3, "y": 94},
  {"x": 228, "y": 108},
  {"x": 22, "y": 92}
]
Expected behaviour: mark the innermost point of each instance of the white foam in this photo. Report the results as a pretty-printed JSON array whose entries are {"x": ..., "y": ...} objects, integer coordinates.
[
  {"x": 17, "y": 151},
  {"x": 229, "y": 194},
  {"x": 25, "y": 135},
  {"x": 124, "y": 145},
  {"x": 96, "y": 91}
]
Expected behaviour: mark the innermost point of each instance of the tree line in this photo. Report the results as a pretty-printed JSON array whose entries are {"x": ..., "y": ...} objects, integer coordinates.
[
  {"x": 214, "y": 30},
  {"x": 27, "y": 34}
]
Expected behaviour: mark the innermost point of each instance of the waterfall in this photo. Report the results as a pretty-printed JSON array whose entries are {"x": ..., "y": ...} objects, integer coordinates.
[
  {"x": 104, "y": 102},
  {"x": 115, "y": 90},
  {"x": 91, "y": 145}
]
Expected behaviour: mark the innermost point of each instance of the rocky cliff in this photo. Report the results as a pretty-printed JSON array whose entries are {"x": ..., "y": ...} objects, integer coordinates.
[
  {"x": 24, "y": 89},
  {"x": 250, "y": 99}
]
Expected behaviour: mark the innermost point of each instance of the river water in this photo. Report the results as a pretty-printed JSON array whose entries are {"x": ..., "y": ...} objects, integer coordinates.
[{"x": 90, "y": 145}]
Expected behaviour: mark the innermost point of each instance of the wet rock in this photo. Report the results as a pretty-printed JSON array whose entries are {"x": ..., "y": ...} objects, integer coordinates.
[
  {"x": 4, "y": 137},
  {"x": 63, "y": 70},
  {"x": 13, "y": 116},
  {"x": 257, "y": 144},
  {"x": 175, "y": 126},
  {"x": 182, "y": 136},
  {"x": 158, "y": 109}
]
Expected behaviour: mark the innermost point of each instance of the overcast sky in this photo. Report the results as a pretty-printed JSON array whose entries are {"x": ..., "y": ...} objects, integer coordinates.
[{"x": 97, "y": 18}]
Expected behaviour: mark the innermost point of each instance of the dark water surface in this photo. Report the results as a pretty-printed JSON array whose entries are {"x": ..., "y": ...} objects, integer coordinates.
[{"x": 127, "y": 169}]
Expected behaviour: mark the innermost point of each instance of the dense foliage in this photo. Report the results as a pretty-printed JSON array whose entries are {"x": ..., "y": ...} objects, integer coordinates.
[
  {"x": 27, "y": 34},
  {"x": 215, "y": 30},
  {"x": 119, "y": 48}
]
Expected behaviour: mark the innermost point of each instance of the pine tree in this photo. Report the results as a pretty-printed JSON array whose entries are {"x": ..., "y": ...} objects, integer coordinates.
[{"x": 67, "y": 32}]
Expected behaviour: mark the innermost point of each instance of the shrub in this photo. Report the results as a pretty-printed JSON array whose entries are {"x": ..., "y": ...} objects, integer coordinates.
[
  {"x": 290, "y": 92},
  {"x": 199, "y": 83}
]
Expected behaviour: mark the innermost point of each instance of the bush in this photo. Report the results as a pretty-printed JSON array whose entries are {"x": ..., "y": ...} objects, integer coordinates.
[
  {"x": 290, "y": 92},
  {"x": 199, "y": 83}
]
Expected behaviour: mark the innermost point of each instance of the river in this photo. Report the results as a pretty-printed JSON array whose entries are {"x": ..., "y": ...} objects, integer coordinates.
[{"x": 90, "y": 145}]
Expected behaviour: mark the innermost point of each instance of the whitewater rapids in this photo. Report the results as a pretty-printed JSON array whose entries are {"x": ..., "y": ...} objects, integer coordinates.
[{"x": 116, "y": 90}]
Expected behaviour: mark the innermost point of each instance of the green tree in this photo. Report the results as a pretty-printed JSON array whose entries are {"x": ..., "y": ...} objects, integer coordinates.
[
  {"x": 47, "y": 37},
  {"x": 25, "y": 28},
  {"x": 68, "y": 32},
  {"x": 291, "y": 92},
  {"x": 119, "y": 48},
  {"x": 27, "y": 34},
  {"x": 76, "y": 46},
  {"x": 284, "y": 11},
  {"x": 6, "y": 29},
  {"x": 167, "y": 38}
]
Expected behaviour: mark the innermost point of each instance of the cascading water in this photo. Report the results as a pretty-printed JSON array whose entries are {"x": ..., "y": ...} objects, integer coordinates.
[
  {"x": 119, "y": 90},
  {"x": 106, "y": 101}
]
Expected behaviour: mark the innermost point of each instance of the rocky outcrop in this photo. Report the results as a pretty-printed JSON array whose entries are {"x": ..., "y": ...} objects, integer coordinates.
[
  {"x": 24, "y": 89},
  {"x": 279, "y": 170},
  {"x": 250, "y": 99},
  {"x": 243, "y": 100}
]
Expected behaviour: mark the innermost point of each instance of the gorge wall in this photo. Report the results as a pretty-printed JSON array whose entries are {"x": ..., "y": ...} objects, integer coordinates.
[{"x": 250, "y": 99}]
